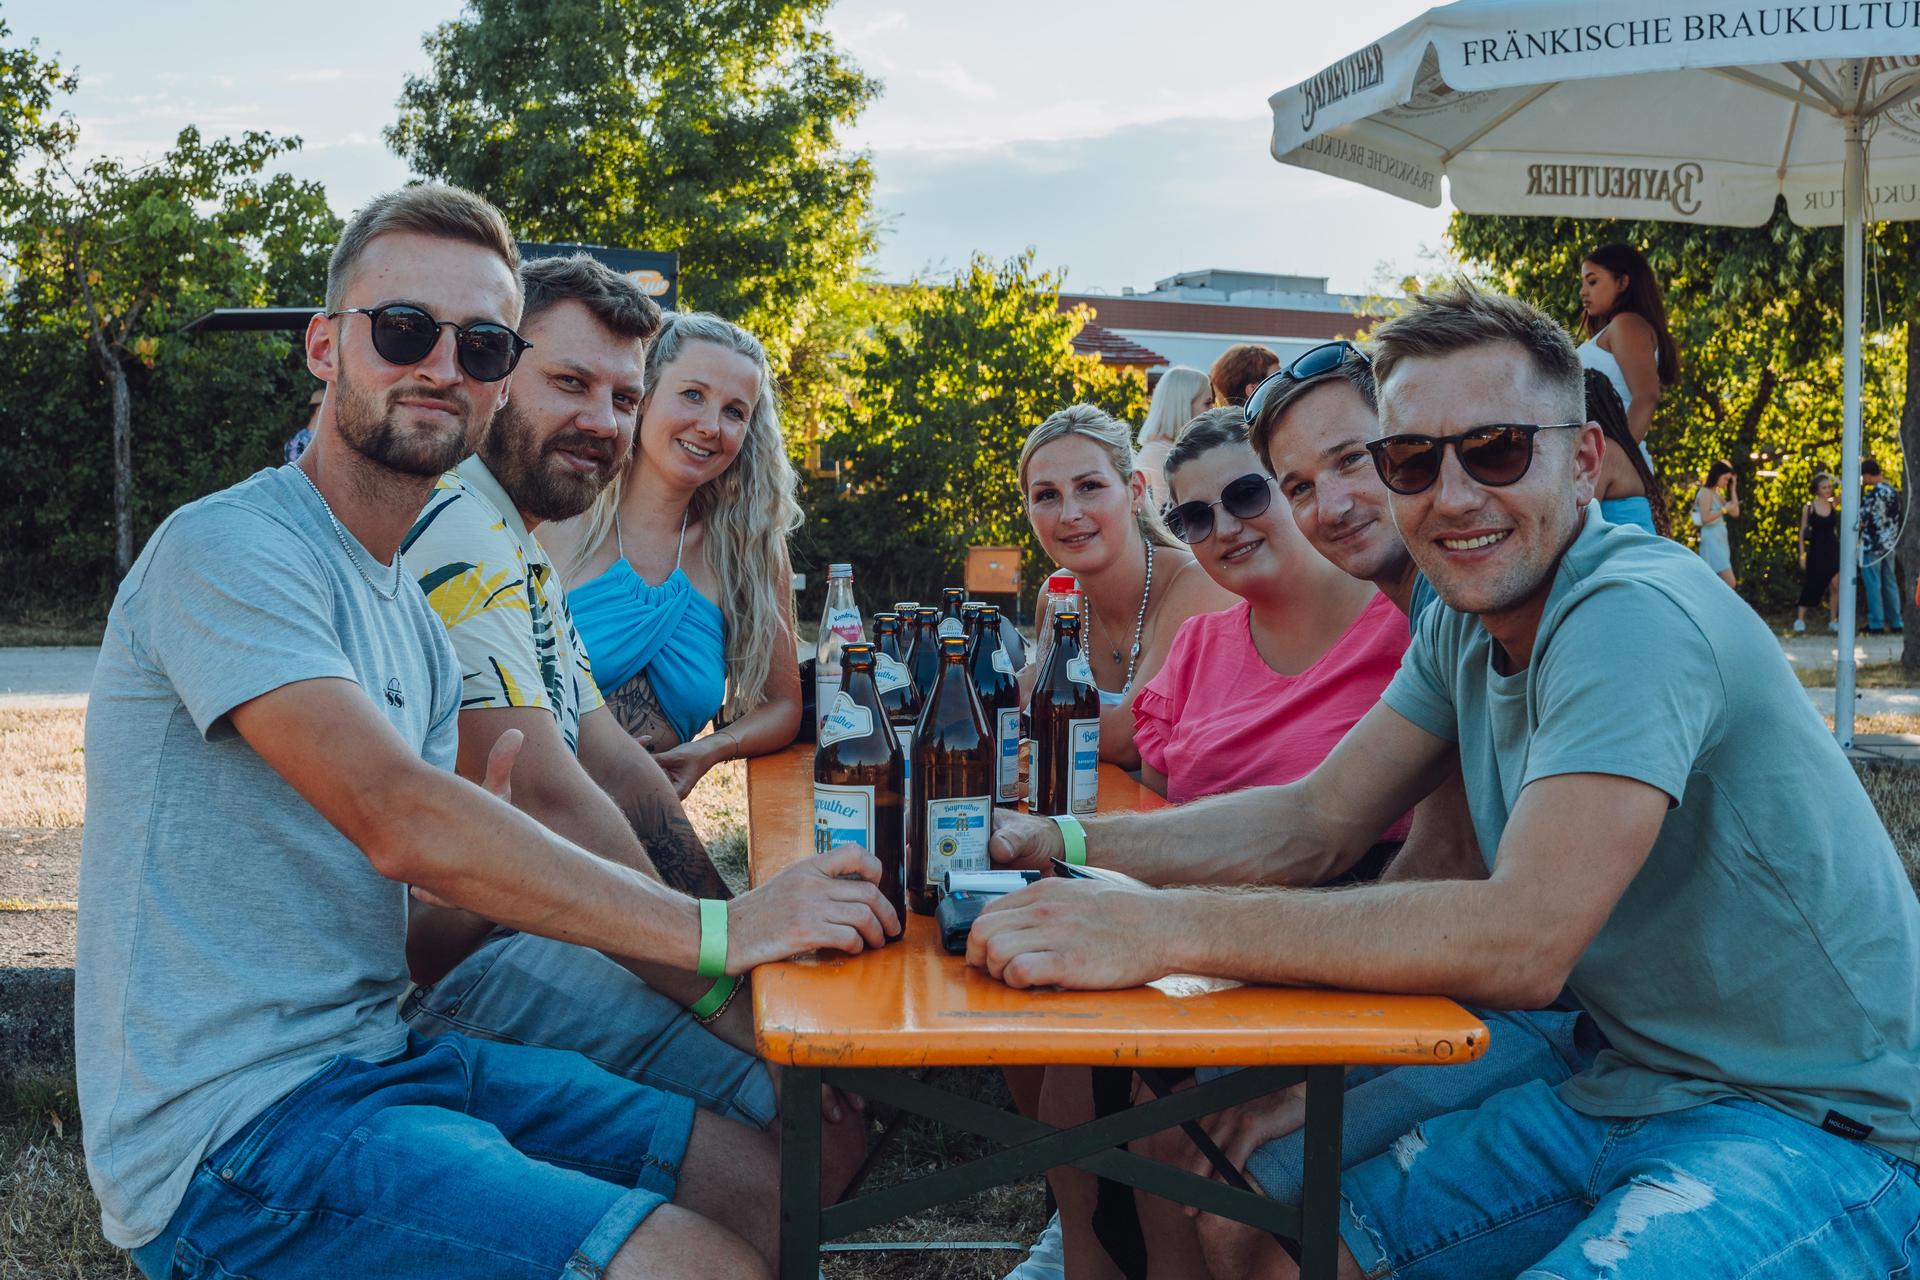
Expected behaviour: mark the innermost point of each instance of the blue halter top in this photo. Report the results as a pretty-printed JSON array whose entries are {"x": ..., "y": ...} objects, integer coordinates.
[{"x": 671, "y": 632}]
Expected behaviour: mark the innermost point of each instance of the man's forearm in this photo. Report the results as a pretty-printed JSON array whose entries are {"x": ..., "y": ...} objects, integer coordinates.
[
  {"x": 1455, "y": 938},
  {"x": 1264, "y": 835},
  {"x": 672, "y": 845}
]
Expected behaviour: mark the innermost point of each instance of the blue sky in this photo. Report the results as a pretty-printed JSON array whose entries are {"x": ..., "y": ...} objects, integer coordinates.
[{"x": 1122, "y": 142}]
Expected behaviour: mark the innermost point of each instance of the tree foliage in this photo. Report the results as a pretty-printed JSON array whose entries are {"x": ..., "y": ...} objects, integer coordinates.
[
  {"x": 1756, "y": 313},
  {"x": 710, "y": 127},
  {"x": 922, "y": 459},
  {"x": 106, "y": 262}
]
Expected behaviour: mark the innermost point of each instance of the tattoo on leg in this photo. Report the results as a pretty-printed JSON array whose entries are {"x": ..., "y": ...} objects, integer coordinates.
[
  {"x": 676, "y": 849},
  {"x": 638, "y": 711}
]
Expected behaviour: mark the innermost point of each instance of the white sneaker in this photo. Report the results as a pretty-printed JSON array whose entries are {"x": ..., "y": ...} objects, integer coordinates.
[
  {"x": 1799, "y": 625},
  {"x": 1047, "y": 1260}
]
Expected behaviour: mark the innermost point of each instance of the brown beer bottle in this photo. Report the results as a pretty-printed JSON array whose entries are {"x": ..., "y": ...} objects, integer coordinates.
[
  {"x": 859, "y": 775},
  {"x": 953, "y": 782},
  {"x": 899, "y": 695},
  {"x": 924, "y": 658},
  {"x": 951, "y": 623},
  {"x": 999, "y": 693},
  {"x": 1066, "y": 727}
]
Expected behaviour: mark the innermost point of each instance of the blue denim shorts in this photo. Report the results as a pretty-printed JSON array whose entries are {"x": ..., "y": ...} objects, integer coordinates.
[
  {"x": 456, "y": 1158},
  {"x": 1524, "y": 1185},
  {"x": 525, "y": 989}
]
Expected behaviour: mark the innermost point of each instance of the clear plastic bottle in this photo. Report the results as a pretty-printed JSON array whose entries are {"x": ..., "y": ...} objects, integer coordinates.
[
  {"x": 839, "y": 627},
  {"x": 1062, "y": 595}
]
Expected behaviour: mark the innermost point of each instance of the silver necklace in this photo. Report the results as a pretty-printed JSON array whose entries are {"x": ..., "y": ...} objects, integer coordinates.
[
  {"x": 340, "y": 532},
  {"x": 1139, "y": 622}
]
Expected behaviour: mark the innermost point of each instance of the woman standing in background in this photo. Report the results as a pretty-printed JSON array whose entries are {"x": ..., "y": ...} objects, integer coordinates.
[
  {"x": 1625, "y": 319},
  {"x": 1819, "y": 553},
  {"x": 1180, "y": 396},
  {"x": 1716, "y": 502}
]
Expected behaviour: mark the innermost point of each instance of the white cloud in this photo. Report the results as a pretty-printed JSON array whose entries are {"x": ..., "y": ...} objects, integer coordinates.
[
  {"x": 323, "y": 75},
  {"x": 957, "y": 79}
]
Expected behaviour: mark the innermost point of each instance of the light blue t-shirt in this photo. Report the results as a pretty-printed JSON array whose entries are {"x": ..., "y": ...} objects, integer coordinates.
[
  {"x": 1769, "y": 948},
  {"x": 230, "y": 940}
]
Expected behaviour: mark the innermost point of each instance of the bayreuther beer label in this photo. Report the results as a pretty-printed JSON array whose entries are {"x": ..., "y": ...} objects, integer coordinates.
[
  {"x": 957, "y": 831},
  {"x": 842, "y": 815}
]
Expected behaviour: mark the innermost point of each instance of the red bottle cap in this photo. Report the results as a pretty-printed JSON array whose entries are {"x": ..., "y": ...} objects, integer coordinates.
[{"x": 1062, "y": 582}]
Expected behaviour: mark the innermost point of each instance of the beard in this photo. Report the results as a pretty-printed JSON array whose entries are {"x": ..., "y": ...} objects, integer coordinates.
[
  {"x": 541, "y": 484},
  {"x": 367, "y": 427}
]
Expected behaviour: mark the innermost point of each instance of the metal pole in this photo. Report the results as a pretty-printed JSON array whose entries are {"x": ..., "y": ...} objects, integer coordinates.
[{"x": 1853, "y": 200}]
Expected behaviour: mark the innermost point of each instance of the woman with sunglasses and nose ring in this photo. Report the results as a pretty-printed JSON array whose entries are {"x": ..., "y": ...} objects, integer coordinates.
[
  {"x": 1259, "y": 694},
  {"x": 1088, "y": 505}
]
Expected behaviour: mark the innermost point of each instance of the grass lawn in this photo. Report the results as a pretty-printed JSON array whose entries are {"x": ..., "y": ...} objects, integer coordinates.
[
  {"x": 1872, "y": 675},
  {"x": 49, "y": 1223}
]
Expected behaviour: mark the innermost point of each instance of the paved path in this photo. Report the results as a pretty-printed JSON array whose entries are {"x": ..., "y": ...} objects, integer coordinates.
[{"x": 33, "y": 678}]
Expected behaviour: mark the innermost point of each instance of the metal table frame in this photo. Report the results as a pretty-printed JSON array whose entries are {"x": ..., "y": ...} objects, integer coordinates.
[{"x": 1032, "y": 1146}]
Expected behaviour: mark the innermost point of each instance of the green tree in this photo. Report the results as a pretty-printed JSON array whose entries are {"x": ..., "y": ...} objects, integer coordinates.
[
  {"x": 29, "y": 85},
  {"x": 1756, "y": 314},
  {"x": 920, "y": 462},
  {"x": 117, "y": 257},
  {"x": 710, "y": 127}
]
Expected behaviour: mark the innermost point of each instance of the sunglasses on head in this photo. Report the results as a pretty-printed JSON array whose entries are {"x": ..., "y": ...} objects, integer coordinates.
[
  {"x": 1314, "y": 363},
  {"x": 1245, "y": 498},
  {"x": 1495, "y": 455},
  {"x": 405, "y": 334}
]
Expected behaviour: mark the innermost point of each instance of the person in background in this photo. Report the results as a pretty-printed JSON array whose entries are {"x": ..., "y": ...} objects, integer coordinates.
[
  {"x": 1088, "y": 506},
  {"x": 1625, "y": 319},
  {"x": 678, "y": 575},
  {"x": 1239, "y": 369},
  {"x": 1880, "y": 519},
  {"x": 1629, "y": 492},
  {"x": 1181, "y": 395},
  {"x": 1716, "y": 502},
  {"x": 1819, "y": 553},
  {"x": 297, "y": 442}
]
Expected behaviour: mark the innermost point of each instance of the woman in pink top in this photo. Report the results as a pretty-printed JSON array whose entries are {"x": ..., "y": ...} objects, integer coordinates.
[{"x": 1261, "y": 693}]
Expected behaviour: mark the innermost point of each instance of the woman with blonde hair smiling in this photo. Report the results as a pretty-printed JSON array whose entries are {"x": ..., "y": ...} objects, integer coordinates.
[
  {"x": 678, "y": 577},
  {"x": 1181, "y": 395},
  {"x": 1089, "y": 508}
]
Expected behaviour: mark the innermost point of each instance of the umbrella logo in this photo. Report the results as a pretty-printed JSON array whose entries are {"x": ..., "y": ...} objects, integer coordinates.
[
  {"x": 1352, "y": 74},
  {"x": 1672, "y": 187}
]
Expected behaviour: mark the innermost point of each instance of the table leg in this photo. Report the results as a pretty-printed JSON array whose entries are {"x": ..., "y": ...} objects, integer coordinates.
[
  {"x": 799, "y": 1173},
  {"x": 1320, "y": 1174}
]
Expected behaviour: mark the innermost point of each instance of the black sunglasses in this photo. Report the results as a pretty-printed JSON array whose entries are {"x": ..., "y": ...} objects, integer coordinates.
[
  {"x": 405, "y": 334},
  {"x": 1245, "y": 498},
  {"x": 1495, "y": 455},
  {"x": 1314, "y": 363}
]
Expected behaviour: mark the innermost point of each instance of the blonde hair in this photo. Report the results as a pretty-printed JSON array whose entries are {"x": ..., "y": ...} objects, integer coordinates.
[
  {"x": 1172, "y": 405},
  {"x": 430, "y": 209},
  {"x": 1112, "y": 436},
  {"x": 748, "y": 510}
]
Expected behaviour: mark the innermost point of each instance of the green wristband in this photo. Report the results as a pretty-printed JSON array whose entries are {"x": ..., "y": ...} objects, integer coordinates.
[
  {"x": 1074, "y": 836},
  {"x": 717, "y": 996},
  {"x": 713, "y": 938}
]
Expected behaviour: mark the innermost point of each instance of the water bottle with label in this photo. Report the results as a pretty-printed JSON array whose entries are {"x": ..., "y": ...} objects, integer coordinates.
[
  {"x": 1062, "y": 595},
  {"x": 839, "y": 627},
  {"x": 953, "y": 782}
]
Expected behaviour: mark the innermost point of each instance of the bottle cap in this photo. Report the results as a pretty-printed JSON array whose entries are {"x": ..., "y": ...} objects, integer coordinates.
[
  {"x": 1062, "y": 582},
  {"x": 839, "y": 571},
  {"x": 858, "y": 652}
]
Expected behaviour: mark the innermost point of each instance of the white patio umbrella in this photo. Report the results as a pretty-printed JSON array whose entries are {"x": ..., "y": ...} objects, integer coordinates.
[{"x": 1680, "y": 110}]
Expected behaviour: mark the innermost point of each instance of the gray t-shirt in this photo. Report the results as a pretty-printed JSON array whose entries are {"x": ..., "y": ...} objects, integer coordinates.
[
  {"x": 1770, "y": 946},
  {"x": 231, "y": 941}
]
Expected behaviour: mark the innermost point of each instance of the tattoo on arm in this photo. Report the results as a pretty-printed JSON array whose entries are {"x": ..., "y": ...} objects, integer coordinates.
[
  {"x": 638, "y": 711},
  {"x": 676, "y": 850}
]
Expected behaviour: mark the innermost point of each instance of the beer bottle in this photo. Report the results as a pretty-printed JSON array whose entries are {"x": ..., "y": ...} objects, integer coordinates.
[
  {"x": 999, "y": 694},
  {"x": 951, "y": 623},
  {"x": 924, "y": 658},
  {"x": 859, "y": 776},
  {"x": 899, "y": 696},
  {"x": 953, "y": 782},
  {"x": 1066, "y": 726}
]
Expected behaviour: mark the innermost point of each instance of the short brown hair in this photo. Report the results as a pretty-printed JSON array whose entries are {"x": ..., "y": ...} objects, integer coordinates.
[
  {"x": 1354, "y": 368},
  {"x": 613, "y": 299},
  {"x": 1462, "y": 317},
  {"x": 430, "y": 209},
  {"x": 1239, "y": 365}
]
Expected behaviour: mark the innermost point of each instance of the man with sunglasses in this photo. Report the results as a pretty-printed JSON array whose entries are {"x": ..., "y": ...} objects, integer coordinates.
[
  {"x": 270, "y": 741},
  {"x": 1669, "y": 832}
]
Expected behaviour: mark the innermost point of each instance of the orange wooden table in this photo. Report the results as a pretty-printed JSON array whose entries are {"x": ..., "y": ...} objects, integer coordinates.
[{"x": 850, "y": 1021}]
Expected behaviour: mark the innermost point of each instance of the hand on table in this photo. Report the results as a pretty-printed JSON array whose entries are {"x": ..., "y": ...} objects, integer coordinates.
[
  {"x": 831, "y": 902},
  {"x": 1087, "y": 934},
  {"x": 1023, "y": 842}
]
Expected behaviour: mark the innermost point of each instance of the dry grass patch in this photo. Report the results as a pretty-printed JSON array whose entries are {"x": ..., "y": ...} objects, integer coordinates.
[
  {"x": 1872, "y": 675},
  {"x": 42, "y": 768}
]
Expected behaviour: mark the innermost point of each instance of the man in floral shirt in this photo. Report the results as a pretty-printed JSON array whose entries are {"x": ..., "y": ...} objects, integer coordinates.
[{"x": 1879, "y": 531}]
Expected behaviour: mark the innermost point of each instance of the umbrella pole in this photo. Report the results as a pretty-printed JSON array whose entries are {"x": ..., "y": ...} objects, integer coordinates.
[{"x": 1853, "y": 203}]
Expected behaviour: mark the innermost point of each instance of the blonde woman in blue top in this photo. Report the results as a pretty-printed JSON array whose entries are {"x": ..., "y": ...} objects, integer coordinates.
[{"x": 678, "y": 576}]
